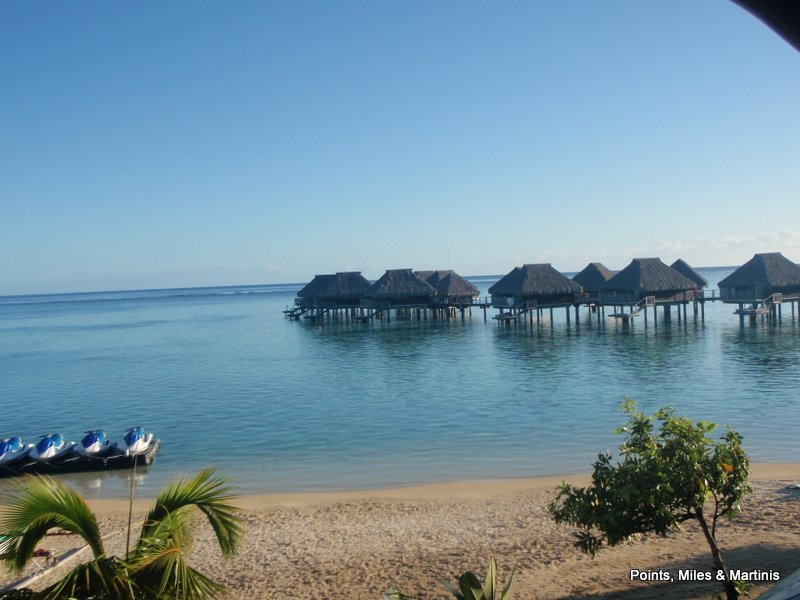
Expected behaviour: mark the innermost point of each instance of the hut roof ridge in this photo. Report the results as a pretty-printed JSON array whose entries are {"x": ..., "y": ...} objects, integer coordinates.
[
  {"x": 593, "y": 276},
  {"x": 685, "y": 269},
  {"x": 767, "y": 269},
  {"x": 400, "y": 283},
  {"x": 648, "y": 275},
  {"x": 534, "y": 279}
]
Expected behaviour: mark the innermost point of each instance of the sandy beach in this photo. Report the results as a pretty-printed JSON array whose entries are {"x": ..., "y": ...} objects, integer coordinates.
[{"x": 356, "y": 544}]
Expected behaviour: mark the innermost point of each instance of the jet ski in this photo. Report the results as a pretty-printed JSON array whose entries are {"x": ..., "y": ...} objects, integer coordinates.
[
  {"x": 12, "y": 449},
  {"x": 94, "y": 443},
  {"x": 50, "y": 447},
  {"x": 134, "y": 441}
]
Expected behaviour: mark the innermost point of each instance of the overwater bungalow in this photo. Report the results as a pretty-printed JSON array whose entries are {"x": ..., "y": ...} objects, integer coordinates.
[
  {"x": 647, "y": 277},
  {"x": 399, "y": 288},
  {"x": 591, "y": 279},
  {"x": 310, "y": 293},
  {"x": 682, "y": 267},
  {"x": 761, "y": 277},
  {"x": 341, "y": 290},
  {"x": 346, "y": 289},
  {"x": 451, "y": 288},
  {"x": 324, "y": 293},
  {"x": 535, "y": 285}
]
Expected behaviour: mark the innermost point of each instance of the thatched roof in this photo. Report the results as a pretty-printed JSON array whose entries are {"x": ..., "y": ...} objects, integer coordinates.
[
  {"x": 682, "y": 267},
  {"x": 314, "y": 287},
  {"x": 453, "y": 284},
  {"x": 648, "y": 276},
  {"x": 534, "y": 280},
  {"x": 768, "y": 270},
  {"x": 593, "y": 276},
  {"x": 400, "y": 283},
  {"x": 349, "y": 284},
  {"x": 448, "y": 283}
]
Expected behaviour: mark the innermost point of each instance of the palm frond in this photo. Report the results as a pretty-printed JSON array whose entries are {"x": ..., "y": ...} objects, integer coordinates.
[
  {"x": 206, "y": 492},
  {"x": 164, "y": 572},
  {"x": 175, "y": 529},
  {"x": 102, "y": 578},
  {"x": 39, "y": 503}
]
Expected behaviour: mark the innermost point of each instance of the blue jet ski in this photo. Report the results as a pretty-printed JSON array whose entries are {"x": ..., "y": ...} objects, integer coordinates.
[
  {"x": 94, "y": 443},
  {"x": 50, "y": 447},
  {"x": 12, "y": 449},
  {"x": 134, "y": 441}
]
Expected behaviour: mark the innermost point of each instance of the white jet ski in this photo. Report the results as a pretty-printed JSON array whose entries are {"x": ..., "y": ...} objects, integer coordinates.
[
  {"x": 12, "y": 449},
  {"x": 50, "y": 447},
  {"x": 134, "y": 441},
  {"x": 94, "y": 443}
]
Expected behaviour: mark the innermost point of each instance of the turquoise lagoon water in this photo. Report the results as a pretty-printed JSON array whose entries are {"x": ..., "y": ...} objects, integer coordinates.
[{"x": 224, "y": 379}]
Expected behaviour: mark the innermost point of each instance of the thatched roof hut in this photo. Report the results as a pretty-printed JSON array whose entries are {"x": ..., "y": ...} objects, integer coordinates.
[
  {"x": 647, "y": 277},
  {"x": 593, "y": 276},
  {"x": 401, "y": 286},
  {"x": 313, "y": 288},
  {"x": 760, "y": 277},
  {"x": 450, "y": 286},
  {"x": 454, "y": 285},
  {"x": 449, "y": 283},
  {"x": 347, "y": 287},
  {"x": 537, "y": 282},
  {"x": 341, "y": 289},
  {"x": 682, "y": 267}
]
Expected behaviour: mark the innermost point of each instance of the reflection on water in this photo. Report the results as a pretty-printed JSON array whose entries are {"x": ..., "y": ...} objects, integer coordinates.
[{"x": 223, "y": 379}]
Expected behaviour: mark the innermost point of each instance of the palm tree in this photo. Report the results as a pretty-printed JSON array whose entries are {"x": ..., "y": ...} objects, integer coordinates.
[{"x": 154, "y": 569}]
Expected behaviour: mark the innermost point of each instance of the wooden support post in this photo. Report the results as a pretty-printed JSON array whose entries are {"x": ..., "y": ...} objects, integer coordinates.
[
  {"x": 577, "y": 313},
  {"x": 567, "y": 309},
  {"x": 741, "y": 313}
]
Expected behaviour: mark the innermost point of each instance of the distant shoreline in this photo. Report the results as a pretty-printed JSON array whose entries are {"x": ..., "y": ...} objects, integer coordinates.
[{"x": 298, "y": 284}]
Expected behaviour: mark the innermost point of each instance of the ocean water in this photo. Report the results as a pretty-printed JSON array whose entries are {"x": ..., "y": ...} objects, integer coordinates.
[{"x": 225, "y": 380}]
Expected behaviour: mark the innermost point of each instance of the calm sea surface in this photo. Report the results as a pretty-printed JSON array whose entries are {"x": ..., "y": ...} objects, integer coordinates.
[{"x": 224, "y": 379}]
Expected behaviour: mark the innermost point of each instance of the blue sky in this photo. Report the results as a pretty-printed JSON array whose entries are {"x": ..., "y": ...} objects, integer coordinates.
[{"x": 169, "y": 144}]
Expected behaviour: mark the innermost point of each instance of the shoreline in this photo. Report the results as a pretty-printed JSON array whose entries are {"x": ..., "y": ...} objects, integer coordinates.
[
  {"x": 355, "y": 544},
  {"x": 487, "y": 489}
]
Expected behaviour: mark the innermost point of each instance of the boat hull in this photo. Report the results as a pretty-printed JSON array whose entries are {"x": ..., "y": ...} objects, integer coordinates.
[{"x": 73, "y": 462}]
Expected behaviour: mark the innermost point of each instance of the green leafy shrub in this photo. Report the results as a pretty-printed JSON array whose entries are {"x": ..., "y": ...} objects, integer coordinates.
[{"x": 664, "y": 478}]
